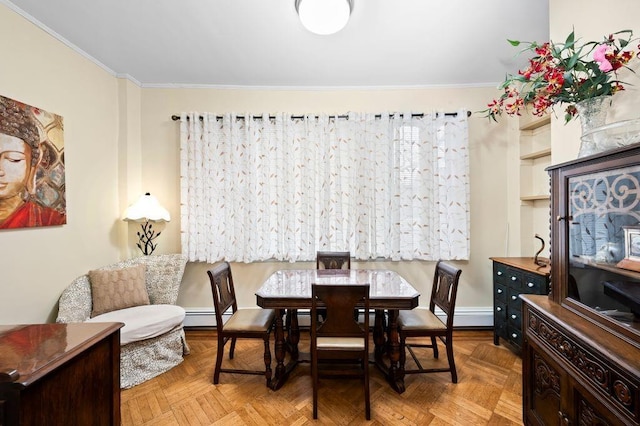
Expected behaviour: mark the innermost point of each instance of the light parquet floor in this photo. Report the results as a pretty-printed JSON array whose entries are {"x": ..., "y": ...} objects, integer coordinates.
[{"x": 488, "y": 392}]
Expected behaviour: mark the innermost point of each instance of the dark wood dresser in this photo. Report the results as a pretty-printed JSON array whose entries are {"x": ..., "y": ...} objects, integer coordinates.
[
  {"x": 581, "y": 347},
  {"x": 513, "y": 276},
  {"x": 60, "y": 374}
]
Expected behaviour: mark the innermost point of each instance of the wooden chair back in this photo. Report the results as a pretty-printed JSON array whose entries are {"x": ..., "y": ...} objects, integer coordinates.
[
  {"x": 333, "y": 260},
  {"x": 444, "y": 290},
  {"x": 224, "y": 295},
  {"x": 339, "y": 301}
]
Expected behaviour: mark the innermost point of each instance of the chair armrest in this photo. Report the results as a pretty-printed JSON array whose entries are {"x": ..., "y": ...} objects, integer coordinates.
[
  {"x": 164, "y": 276},
  {"x": 74, "y": 304}
]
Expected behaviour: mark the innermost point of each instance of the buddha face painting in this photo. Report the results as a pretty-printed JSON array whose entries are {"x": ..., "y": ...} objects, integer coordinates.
[
  {"x": 23, "y": 201},
  {"x": 16, "y": 171}
]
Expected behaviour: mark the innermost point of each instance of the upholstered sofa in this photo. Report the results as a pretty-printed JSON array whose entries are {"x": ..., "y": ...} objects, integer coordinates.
[{"x": 152, "y": 339}]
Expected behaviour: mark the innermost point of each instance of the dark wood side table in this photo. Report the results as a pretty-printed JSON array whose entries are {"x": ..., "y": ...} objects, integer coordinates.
[
  {"x": 62, "y": 374},
  {"x": 513, "y": 276}
]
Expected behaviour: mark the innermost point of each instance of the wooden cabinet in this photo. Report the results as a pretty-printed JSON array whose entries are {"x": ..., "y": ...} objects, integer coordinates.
[
  {"x": 60, "y": 374},
  {"x": 513, "y": 276},
  {"x": 574, "y": 373},
  {"x": 581, "y": 347}
]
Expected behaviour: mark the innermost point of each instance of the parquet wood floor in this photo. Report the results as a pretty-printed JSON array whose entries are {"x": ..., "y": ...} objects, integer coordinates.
[{"x": 488, "y": 392}]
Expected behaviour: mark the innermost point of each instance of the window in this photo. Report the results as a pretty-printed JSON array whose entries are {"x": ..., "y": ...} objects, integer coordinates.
[{"x": 390, "y": 186}]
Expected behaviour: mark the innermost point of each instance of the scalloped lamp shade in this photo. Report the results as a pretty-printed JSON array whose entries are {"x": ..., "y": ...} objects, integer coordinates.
[
  {"x": 147, "y": 208},
  {"x": 324, "y": 17}
]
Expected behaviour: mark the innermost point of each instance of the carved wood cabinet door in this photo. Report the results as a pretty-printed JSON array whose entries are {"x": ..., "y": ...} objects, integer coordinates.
[
  {"x": 558, "y": 399},
  {"x": 544, "y": 378}
]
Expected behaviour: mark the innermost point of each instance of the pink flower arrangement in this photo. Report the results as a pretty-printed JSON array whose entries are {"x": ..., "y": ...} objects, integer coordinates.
[
  {"x": 563, "y": 73},
  {"x": 600, "y": 56}
]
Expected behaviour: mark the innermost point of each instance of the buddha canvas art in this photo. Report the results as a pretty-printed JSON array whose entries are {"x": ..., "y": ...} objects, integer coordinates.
[{"x": 32, "y": 178}]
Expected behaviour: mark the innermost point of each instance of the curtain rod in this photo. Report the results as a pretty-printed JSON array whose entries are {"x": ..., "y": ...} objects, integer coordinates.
[{"x": 297, "y": 117}]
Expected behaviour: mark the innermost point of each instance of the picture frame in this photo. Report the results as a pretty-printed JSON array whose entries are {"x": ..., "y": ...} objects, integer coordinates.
[{"x": 631, "y": 259}]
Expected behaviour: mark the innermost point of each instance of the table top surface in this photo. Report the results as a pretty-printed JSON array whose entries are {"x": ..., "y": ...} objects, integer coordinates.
[
  {"x": 526, "y": 263},
  {"x": 294, "y": 285},
  {"x": 31, "y": 350}
]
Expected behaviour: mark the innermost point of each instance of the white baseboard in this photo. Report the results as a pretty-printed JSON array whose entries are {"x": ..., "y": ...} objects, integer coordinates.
[
  {"x": 464, "y": 317},
  {"x": 471, "y": 317},
  {"x": 200, "y": 317}
]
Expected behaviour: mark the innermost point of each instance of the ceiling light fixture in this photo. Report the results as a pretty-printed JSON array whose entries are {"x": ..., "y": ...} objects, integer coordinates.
[{"x": 324, "y": 17}]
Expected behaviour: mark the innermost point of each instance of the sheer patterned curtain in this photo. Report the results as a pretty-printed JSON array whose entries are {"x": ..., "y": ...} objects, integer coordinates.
[{"x": 282, "y": 187}]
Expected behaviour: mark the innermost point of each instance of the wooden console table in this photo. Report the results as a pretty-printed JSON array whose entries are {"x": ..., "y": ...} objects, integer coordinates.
[{"x": 62, "y": 374}]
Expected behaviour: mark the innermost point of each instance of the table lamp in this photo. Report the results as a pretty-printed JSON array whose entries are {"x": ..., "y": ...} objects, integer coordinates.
[{"x": 145, "y": 211}]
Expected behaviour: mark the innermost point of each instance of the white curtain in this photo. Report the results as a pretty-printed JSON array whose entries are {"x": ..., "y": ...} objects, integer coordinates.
[{"x": 391, "y": 186}]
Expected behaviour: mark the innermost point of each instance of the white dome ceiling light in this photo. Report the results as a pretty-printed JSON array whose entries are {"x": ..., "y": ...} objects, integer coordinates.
[{"x": 324, "y": 17}]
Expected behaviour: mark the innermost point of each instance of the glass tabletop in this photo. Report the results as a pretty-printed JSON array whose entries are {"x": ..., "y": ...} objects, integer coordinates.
[{"x": 296, "y": 283}]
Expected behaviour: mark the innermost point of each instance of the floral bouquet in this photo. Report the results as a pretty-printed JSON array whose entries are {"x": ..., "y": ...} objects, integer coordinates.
[{"x": 564, "y": 73}]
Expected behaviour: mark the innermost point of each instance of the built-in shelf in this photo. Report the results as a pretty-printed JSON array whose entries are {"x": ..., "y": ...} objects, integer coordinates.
[
  {"x": 535, "y": 197},
  {"x": 536, "y": 122},
  {"x": 535, "y": 155}
]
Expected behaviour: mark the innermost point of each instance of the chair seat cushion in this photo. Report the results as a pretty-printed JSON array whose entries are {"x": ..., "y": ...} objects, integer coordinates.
[
  {"x": 420, "y": 319},
  {"x": 250, "y": 320},
  {"x": 345, "y": 343},
  {"x": 144, "y": 322}
]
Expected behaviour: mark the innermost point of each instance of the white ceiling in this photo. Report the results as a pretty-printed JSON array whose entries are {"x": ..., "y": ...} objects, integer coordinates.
[{"x": 261, "y": 43}]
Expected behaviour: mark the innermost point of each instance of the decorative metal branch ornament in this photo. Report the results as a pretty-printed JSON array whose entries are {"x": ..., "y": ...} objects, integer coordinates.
[
  {"x": 146, "y": 238},
  {"x": 535, "y": 258}
]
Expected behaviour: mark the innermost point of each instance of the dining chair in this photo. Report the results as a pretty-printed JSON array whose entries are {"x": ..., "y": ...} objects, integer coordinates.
[
  {"x": 425, "y": 323},
  {"x": 251, "y": 323},
  {"x": 339, "y": 344},
  {"x": 333, "y": 260}
]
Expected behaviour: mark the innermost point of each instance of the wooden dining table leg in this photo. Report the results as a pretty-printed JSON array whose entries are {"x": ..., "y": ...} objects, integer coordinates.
[
  {"x": 378, "y": 335},
  {"x": 294, "y": 333},
  {"x": 280, "y": 350},
  {"x": 283, "y": 344},
  {"x": 395, "y": 374}
]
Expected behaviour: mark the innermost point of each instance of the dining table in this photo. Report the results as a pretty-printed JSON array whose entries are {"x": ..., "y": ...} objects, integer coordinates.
[{"x": 287, "y": 291}]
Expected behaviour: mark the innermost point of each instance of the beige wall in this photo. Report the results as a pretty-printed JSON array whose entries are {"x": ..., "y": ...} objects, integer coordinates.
[
  {"x": 129, "y": 160},
  {"x": 487, "y": 152},
  {"x": 38, "y": 263},
  {"x": 592, "y": 20}
]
